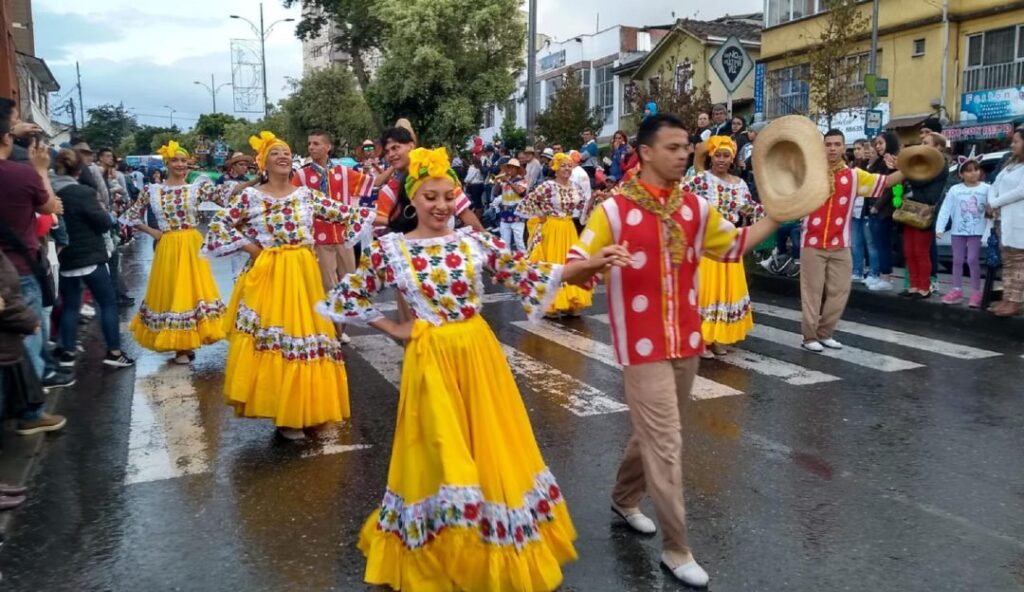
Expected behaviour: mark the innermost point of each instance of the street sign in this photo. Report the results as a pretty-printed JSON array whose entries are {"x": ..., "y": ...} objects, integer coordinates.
[
  {"x": 876, "y": 87},
  {"x": 732, "y": 63},
  {"x": 872, "y": 123},
  {"x": 882, "y": 87},
  {"x": 759, "y": 90}
]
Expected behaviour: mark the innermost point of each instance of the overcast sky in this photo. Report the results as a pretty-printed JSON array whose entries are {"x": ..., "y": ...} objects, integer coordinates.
[{"x": 147, "y": 54}]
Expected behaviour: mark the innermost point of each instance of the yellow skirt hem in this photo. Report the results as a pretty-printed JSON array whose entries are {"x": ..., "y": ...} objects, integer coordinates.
[
  {"x": 727, "y": 333},
  {"x": 207, "y": 331}
]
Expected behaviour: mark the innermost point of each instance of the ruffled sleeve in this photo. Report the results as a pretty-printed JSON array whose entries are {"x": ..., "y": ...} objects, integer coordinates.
[
  {"x": 535, "y": 283},
  {"x": 223, "y": 236},
  {"x": 136, "y": 214},
  {"x": 351, "y": 299},
  {"x": 206, "y": 191},
  {"x": 356, "y": 223},
  {"x": 536, "y": 203}
]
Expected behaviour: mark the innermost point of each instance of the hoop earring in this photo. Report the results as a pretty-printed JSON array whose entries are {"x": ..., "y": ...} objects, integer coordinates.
[{"x": 405, "y": 212}]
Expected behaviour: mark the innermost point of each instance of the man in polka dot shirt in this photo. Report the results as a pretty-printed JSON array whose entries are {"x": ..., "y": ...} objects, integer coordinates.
[
  {"x": 344, "y": 185},
  {"x": 826, "y": 266},
  {"x": 647, "y": 240}
]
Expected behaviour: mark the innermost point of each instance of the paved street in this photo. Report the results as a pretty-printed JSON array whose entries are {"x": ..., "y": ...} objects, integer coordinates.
[{"x": 895, "y": 464}]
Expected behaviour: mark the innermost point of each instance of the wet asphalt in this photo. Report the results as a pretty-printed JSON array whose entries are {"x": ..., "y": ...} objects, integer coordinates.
[{"x": 910, "y": 480}]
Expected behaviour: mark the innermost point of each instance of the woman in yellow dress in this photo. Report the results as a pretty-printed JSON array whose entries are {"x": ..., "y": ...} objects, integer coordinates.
[
  {"x": 470, "y": 504},
  {"x": 284, "y": 361},
  {"x": 724, "y": 299},
  {"x": 551, "y": 207},
  {"x": 182, "y": 309}
]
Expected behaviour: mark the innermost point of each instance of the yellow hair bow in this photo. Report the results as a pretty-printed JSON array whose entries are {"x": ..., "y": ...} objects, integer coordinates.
[
  {"x": 262, "y": 144},
  {"x": 426, "y": 164},
  {"x": 171, "y": 149},
  {"x": 559, "y": 159},
  {"x": 717, "y": 143}
]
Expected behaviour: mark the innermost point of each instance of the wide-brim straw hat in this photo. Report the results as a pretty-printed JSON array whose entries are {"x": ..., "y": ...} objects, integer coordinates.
[
  {"x": 238, "y": 157},
  {"x": 514, "y": 163},
  {"x": 921, "y": 163},
  {"x": 790, "y": 168}
]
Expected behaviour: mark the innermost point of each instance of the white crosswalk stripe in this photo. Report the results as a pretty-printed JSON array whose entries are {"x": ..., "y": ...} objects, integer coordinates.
[
  {"x": 853, "y": 355},
  {"x": 937, "y": 346},
  {"x": 755, "y": 362},
  {"x": 703, "y": 388}
]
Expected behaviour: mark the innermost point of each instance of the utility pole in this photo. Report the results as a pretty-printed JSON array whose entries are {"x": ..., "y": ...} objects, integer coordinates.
[
  {"x": 71, "y": 109},
  {"x": 263, "y": 58},
  {"x": 873, "y": 58},
  {"x": 531, "y": 70},
  {"x": 213, "y": 88},
  {"x": 81, "y": 103}
]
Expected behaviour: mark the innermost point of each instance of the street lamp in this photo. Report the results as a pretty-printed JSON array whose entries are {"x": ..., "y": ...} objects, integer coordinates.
[
  {"x": 213, "y": 88},
  {"x": 172, "y": 112},
  {"x": 262, "y": 33}
]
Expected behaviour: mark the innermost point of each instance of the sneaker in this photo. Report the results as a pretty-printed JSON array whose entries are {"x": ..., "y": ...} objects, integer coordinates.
[
  {"x": 954, "y": 296},
  {"x": 88, "y": 312},
  {"x": 345, "y": 339},
  {"x": 813, "y": 346},
  {"x": 707, "y": 354},
  {"x": 45, "y": 423},
  {"x": 65, "y": 359},
  {"x": 118, "y": 361},
  {"x": 857, "y": 279},
  {"x": 291, "y": 434},
  {"x": 975, "y": 301},
  {"x": 870, "y": 281},
  {"x": 59, "y": 379},
  {"x": 690, "y": 573},
  {"x": 831, "y": 343},
  {"x": 880, "y": 285}
]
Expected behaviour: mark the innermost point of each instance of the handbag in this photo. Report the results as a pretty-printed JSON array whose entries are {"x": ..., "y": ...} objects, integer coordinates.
[
  {"x": 39, "y": 264},
  {"x": 915, "y": 214}
]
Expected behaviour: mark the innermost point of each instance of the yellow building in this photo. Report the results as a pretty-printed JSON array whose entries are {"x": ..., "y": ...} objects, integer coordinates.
[
  {"x": 959, "y": 60},
  {"x": 692, "y": 44}
]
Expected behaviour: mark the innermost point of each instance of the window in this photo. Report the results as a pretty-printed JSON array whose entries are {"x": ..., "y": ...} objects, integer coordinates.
[
  {"x": 488, "y": 116},
  {"x": 995, "y": 59},
  {"x": 784, "y": 11},
  {"x": 628, "y": 96},
  {"x": 654, "y": 84},
  {"x": 918, "y": 48},
  {"x": 510, "y": 110},
  {"x": 604, "y": 91},
  {"x": 788, "y": 92},
  {"x": 583, "y": 75},
  {"x": 684, "y": 77},
  {"x": 974, "y": 50},
  {"x": 551, "y": 87}
]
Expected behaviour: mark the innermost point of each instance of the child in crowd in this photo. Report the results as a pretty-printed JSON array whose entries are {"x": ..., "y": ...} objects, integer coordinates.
[{"x": 965, "y": 206}]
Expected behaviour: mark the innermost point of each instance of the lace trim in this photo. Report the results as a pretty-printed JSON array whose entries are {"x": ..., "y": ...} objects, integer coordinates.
[
  {"x": 180, "y": 321},
  {"x": 726, "y": 312},
  {"x": 274, "y": 339},
  {"x": 464, "y": 507}
]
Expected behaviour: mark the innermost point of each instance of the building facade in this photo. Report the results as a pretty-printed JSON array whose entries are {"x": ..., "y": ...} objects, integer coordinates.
[
  {"x": 318, "y": 51},
  {"x": 35, "y": 80},
  {"x": 593, "y": 59},
  {"x": 959, "y": 60}
]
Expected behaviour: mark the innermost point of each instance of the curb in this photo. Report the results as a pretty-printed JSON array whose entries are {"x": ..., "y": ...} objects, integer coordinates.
[{"x": 888, "y": 303}]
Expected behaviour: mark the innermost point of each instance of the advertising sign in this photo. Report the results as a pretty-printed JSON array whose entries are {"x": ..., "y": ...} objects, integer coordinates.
[
  {"x": 759, "y": 88},
  {"x": 992, "y": 105}
]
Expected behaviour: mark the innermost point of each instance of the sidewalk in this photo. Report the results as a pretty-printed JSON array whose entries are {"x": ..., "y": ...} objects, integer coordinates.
[{"x": 889, "y": 302}]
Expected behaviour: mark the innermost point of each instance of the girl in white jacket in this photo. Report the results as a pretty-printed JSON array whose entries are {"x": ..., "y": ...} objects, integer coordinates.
[{"x": 965, "y": 205}]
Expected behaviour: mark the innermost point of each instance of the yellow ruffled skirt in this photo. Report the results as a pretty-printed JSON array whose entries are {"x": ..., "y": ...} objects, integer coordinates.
[
  {"x": 284, "y": 361},
  {"x": 724, "y": 299},
  {"x": 182, "y": 309},
  {"x": 470, "y": 504},
  {"x": 557, "y": 236}
]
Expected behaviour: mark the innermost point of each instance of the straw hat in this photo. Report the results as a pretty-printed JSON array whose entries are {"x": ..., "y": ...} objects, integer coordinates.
[
  {"x": 238, "y": 157},
  {"x": 921, "y": 163},
  {"x": 790, "y": 168},
  {"x": 405, "y": 123},
  {"x": 513, "y": 163}
]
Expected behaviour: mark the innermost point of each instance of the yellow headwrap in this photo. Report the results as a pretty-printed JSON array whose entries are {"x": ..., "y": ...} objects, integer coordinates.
[
  {"x": 428, "y": 164},
  {"x": 262, "y": 144},
  {"x": 717, "y": 143},
  {"x": 560, "y": 159},
  {"x": 172, "y": 149}
]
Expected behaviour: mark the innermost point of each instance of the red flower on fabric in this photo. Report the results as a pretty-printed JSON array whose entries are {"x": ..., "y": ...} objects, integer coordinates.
[
  {"x": 554, "y": 493},
  {"x": 532, "y": 276},
  {"x": 543, "y": 507},
  {"x": 500, "y": 530},
  {"x": 428, "y": 290},
  {"x": 419, "y": 263},
  {"x": 371, "y": 284},
  {"x": 459, "y": 288},
  {"x": 485, "y": 527},
  {"x": 519, "y": 534},
  {"x": 289, "y": 226},
  {"x": 471, "y": 511},
  {"x": 501, "y": 276},
  {"x": 499, "y": 243},
  {"x": 376, "y": 259},
  {"x": 453, "y": 260},
  {"x": 357, "y": 227},
  {"x": 235, "y": 213},
  {"x": 287, "y": 211},
  {"x": 467, "y": 312},
  {"x": 389, "y": 275}
]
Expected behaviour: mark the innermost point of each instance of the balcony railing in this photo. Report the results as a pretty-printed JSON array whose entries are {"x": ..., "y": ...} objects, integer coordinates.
[{"x": 997, "y": 76}]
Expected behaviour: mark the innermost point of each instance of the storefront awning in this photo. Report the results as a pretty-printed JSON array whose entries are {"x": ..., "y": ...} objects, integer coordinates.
[
  {"x": 909, "y": 121},
  {"x": 974, "y": 131}
]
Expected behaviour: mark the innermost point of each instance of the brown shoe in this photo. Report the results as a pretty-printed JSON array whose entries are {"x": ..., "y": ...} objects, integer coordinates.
[
  {"x": 45, "y": 423},
  {"x": 1011, "y": 309},
  {"x": 8, "y": 502}
]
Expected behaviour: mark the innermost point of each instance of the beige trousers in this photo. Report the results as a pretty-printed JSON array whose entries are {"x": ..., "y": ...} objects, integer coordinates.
[
  {"x": 335, "y": 262},
  {"x": 652, "y": 463},
  {"x": 825, "y": 277}
]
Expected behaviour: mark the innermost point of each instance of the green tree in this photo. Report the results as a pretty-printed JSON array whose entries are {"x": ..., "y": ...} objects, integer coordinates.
[
  {"x": 158, "y": 139},
  {"x": 672, "y": 90},
  {"x": 141, "y": 142},
  {"x": 832, "y": 71},
  {"x": 212, "y": 125},
  {"x": 568, "y": 115},
  {"x": 107, "y": 125},
  {"x": 514, "y": 138},
  {"x": 328, "y": 100},
  {"x": 443, "y": 61}
]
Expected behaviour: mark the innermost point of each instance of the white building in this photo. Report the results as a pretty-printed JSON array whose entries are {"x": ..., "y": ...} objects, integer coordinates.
[
  {"x": 593, "y": 58},
  {"x": 318, "y": 51}
]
